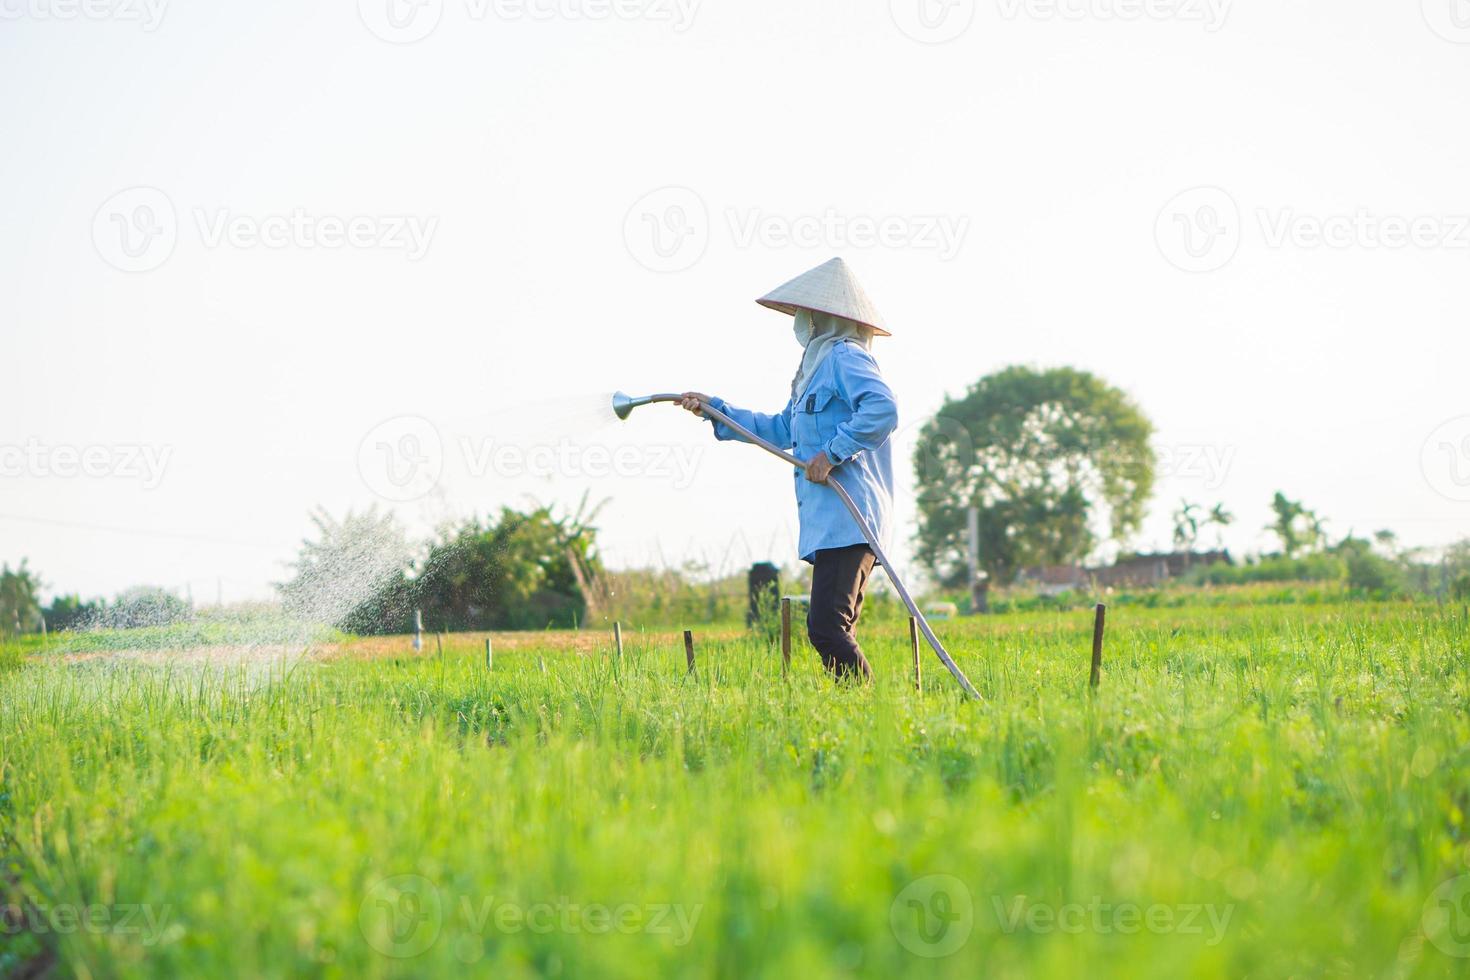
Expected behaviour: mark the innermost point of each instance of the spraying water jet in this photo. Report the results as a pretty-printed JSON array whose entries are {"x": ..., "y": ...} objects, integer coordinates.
[{"x": 623, "y": 405}]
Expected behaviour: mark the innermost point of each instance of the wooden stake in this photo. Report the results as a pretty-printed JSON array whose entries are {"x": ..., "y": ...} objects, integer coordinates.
[
  {"x": 689, "y": 649},
  {"x": 785, "y": 637},
  {"x": 488, "y": 657},
  {"x": 439, "y": 645},
  {"x": 1097, "y": 640},
  {"x": 618, "y": 638},
  {"x": 914, "y": 643}
]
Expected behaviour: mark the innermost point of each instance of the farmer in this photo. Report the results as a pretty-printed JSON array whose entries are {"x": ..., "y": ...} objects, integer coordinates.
[{"x": 838, "y": 420}]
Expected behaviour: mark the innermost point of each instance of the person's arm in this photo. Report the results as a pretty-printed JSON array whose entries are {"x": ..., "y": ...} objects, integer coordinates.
[
  {"x": 874, "y": 410},
  {"x": 775, "y": 429}
]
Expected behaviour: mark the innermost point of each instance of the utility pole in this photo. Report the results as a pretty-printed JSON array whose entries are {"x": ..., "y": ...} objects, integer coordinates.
[{"x": 979, "y": 581}]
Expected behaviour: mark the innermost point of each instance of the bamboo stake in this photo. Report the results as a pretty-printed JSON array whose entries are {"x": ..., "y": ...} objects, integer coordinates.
[
  {"x": 618, "y": 638},
  {"x": 488, "y": 656},
  {"x": 914, "y": 643},
  {"x": 1097, "y": 643},
  {"x": 785, "y": 637},
  {"x": 689, "y": 649}
]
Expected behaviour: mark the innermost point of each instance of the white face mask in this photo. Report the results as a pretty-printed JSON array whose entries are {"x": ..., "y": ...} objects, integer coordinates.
[{"x": 801, "y": 325}]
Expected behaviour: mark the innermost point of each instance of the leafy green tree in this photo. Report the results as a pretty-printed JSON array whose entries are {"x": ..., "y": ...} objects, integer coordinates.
[
  {"x": 1461, "y": 587},
  {"x": 1186, "y": 526},
  {"x": 1367, "y": 571},
  {"x": 1298, "y": 528},
  {"x": 20, "y": 606},
  {"x": 72, "y": 612},
  {"x": 1045, "y": 456},
  {"x": 520, "y": 571},
  {"x": 1220, "y": 518}
]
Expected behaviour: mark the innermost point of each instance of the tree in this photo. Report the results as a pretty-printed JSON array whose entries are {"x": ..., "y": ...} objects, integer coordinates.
[
  {"x": 521, "y": 571},
  {"x": 20, "y": 606},
  {"x": 72, "y": 612},
  {"x": 1221, "y": 519},
  {"x": 1186, "y": 526},
  {"x": 1046, "y": 456},
  {"x": 144, "y": 605},
  {"x": 353, "y": 577},
  {"x": 1296, "y": 526}
]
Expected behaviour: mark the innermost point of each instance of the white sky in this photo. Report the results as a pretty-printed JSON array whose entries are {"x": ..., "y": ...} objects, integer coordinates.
[{"x": 526, "y": 147}]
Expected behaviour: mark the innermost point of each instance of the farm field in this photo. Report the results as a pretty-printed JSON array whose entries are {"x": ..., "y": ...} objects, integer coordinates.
[{"x": 1264, "y": 791}]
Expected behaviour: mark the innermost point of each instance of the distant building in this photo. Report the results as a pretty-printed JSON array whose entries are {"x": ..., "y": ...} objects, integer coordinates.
[
  {"x": 1134, "y": 571},
  {"x": 1054, "y": 579}
]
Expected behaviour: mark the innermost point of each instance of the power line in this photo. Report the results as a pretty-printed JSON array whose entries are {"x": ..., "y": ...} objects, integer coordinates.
[{"x": 141, "y": 532}]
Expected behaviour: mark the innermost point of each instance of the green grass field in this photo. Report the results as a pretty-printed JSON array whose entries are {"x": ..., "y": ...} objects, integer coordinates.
[{"x": 1255, "y": 791}]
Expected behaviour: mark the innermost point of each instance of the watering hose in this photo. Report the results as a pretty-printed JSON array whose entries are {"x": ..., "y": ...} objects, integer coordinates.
[{"x": 623, "y": 405}]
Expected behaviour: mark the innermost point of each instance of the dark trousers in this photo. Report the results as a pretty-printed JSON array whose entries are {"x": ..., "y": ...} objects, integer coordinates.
[{"x": 839, "y": 576}]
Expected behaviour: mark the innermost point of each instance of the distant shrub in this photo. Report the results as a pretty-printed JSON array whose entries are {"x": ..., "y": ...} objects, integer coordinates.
[{"x": 143, "y": 607}]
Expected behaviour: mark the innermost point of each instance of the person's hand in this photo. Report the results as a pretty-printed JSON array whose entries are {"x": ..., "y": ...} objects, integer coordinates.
[
  {"x": 818, "y": 468},
  {"x": 691, "y": 401}
]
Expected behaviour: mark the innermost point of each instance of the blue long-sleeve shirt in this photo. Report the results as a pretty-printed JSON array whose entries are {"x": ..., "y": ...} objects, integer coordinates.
[{"x": 848, "y": 412}]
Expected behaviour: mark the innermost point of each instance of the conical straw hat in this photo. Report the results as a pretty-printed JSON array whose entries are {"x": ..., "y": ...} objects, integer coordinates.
[{"x": 829, "y": 288}]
